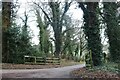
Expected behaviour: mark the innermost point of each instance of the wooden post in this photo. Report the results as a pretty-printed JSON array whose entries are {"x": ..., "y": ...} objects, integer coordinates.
[
  {"x": 24, "y": 59},
  {"x": 35, "y": 59},
  {"x": 91, "y": 61}
]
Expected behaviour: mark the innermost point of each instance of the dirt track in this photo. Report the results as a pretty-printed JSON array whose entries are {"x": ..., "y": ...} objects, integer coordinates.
[{"x": 62, "y": 72}]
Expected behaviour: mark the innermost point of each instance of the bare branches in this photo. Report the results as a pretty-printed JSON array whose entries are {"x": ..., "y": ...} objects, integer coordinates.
[
  {"x": 52, "y": 39},
  {"x": 81, "y": 5},
  {"x": 43, "y": 12},
  {"x": 26, "y": 18},
  {"x": 67, "y": 5},
  {"x": 67, "y": 30}
]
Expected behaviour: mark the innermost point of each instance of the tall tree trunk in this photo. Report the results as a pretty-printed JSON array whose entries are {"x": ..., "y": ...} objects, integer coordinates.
[
  {"x": 112, "y": 30},
  {"x": 43, "y": 35},
  {"x": 57, "y": 27},
  {"x": 56, "y": 20},
  {"x": 92, "y": 31},
  {"x": 6, "y": 22},
  {"x": 41, "y": 32},
  {"x": 58, "y": 43}
]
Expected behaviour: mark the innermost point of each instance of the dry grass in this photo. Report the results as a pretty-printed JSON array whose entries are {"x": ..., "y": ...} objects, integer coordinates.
[{"x": 68, "y": 62}]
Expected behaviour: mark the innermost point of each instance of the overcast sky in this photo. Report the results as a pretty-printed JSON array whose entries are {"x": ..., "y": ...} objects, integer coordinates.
[{"x": 75, "y": 12}]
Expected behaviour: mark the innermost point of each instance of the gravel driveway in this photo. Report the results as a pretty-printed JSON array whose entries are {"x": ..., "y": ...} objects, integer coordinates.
[{"x": 62, "y": 72}]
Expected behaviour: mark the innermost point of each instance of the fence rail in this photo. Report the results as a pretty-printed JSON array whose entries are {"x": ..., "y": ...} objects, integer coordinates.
[{"x": 40, "y": 60}]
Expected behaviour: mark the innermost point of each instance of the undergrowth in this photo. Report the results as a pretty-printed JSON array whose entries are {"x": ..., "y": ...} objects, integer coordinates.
[{"x": 107, "y": 67}]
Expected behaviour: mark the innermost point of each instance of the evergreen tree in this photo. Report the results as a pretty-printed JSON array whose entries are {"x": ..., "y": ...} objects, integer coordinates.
[
  {"x": 13, "y": 43},
  {"x": 25, "y": 44}
]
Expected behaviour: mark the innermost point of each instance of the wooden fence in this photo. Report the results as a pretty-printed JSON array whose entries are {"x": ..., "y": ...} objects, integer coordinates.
[{"x": 41, "y": 60}]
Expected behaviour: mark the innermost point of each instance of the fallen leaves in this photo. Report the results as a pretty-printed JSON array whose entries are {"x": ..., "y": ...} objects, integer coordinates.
[{"x": 86, "y": 73}]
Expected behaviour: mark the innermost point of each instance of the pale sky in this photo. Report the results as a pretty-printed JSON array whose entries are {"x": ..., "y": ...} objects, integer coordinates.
[
  {"x": 32, "y": 24},
  {"x": 76, "y": 14}
]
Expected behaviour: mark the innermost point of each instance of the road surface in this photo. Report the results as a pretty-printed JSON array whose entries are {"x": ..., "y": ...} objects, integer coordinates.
[{"x": 62, "y": 72}]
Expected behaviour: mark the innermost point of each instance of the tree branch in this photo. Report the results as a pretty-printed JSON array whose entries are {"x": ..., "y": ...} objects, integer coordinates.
[
  {"x": 52, "y": 39},
  {"x": 67, "y": 5},
  {"x": 81, "y": 5},
  {"x": 67, "y": 30},
  {"x": 43, "y": 12}
]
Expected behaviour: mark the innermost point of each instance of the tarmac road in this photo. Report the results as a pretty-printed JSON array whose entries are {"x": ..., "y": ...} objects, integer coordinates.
[{"x": 62, "y": 72}]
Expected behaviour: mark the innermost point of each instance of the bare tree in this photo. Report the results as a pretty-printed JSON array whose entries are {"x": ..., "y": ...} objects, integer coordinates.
[{"x": 56, "y": 21}]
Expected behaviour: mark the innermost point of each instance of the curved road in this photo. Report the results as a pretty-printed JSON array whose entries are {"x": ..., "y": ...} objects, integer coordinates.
[{"x": 62, "y": 72}]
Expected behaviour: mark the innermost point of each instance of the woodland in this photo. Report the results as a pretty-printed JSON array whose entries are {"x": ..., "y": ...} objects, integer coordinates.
[{"x": 95, "y": 39}]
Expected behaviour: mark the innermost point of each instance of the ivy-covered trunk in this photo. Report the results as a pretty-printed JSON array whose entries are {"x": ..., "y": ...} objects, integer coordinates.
[
  {"x": 6, "y": 22},
  {"x": 58, "y": 43},
  {"x": 112, "y": 30},
  {"x": 92, "y": 31},
  {"x": 43, "y": 35},
  {"x": 57, "y": 27}
]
